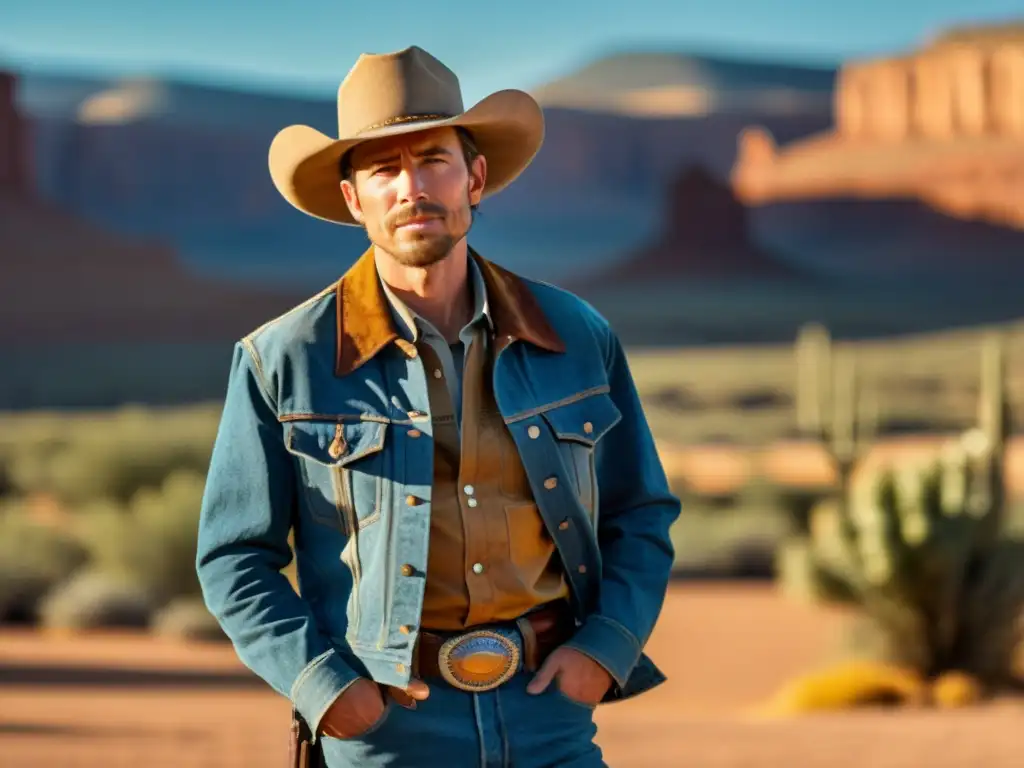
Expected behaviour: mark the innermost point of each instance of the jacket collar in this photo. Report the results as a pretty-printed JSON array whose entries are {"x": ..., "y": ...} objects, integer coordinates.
[{"x": 365, "y": 324}]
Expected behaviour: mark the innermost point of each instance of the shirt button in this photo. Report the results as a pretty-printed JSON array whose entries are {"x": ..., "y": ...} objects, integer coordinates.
[
  {"x": 414, "y": 433},
  {"x": 411, "y": 500},
  {"x": 407, "y": 570},
  {"x": 551, "y": 483},
  {"x": 437, "y": 373},
  {"x": 469, "y": 490},
  {"x": 582, "y": 569},
  {"x": 564, "y": 525},
  {"x": 588, "y": 427},
  {"x": 405, "y": 629},
  {"x": 472, "y": 502},
  {"x": 533, "y": 432},
  {"x": 400, "y": 667},
  {"x": 478, "y": 568}
]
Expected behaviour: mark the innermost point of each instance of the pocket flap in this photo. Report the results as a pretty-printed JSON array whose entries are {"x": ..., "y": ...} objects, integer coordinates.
[
  {"x": 585, "y": 420},
  {"x": 335, "y": 443}
]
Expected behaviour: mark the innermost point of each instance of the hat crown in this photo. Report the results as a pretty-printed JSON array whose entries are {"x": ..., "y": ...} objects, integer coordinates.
[{"x": 387, "y": 88}]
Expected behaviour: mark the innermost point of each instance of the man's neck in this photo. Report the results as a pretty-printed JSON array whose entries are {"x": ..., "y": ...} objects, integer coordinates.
[{"x": 439, "y": 293}]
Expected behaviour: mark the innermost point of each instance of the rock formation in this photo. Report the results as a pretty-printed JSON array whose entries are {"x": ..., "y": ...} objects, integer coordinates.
[
  {"x": 944, "y": 124},
  {"x": 705, "y": 235},
  {"x": 65, "y": 281},
  {"x": 15, "y": 175}
]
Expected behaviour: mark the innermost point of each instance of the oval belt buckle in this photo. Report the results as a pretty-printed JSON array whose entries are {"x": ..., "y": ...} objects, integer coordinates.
[{"x": 479, "y": 660}]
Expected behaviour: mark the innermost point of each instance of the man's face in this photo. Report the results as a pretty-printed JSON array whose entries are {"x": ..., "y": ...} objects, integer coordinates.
[{"x": 413, "y": 194}]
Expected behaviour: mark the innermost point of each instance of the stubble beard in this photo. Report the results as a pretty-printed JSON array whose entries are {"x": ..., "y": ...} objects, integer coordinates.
[{"x": 429, "y": 248}]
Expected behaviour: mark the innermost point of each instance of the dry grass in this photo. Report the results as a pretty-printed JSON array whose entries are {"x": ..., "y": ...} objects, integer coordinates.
[{"x": 745, "y": 395}]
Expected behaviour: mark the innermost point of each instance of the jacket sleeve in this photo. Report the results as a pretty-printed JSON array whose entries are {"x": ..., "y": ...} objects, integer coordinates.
[
  {"x": 246, "y": 515},
  {"x": 636, "y": 511}
]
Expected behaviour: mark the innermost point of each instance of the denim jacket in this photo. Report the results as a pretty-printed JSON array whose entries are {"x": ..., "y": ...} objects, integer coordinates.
[{"x": 315, "y": 438}]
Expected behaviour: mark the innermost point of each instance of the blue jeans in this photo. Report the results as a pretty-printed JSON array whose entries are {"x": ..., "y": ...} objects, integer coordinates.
[{"x": 502, "y": 728}]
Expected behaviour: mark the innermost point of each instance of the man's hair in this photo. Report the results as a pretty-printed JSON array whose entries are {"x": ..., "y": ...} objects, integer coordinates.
[{"x": 470, "y": 152}]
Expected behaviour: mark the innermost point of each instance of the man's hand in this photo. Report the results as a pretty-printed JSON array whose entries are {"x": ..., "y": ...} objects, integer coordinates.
[
  {"x": 362, "y": 705},
  {"x": 577, "y": 675}
]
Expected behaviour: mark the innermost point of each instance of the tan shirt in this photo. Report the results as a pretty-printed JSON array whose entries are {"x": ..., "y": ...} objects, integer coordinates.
[{"x": 490, "y": 556}]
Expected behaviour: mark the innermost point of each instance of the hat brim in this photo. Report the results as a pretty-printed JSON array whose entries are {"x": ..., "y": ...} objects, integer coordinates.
[{"x": 507, "y": 126}]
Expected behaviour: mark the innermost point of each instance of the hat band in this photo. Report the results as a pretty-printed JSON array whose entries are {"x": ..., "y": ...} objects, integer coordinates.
[{"x": 404, "y": 119}]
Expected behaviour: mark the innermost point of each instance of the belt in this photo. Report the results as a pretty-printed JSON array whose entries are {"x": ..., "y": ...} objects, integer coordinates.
[{"x": 484, "y": 657}]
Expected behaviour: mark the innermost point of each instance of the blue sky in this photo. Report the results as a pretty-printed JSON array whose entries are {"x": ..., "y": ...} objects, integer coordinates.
[{"x": 309, "y": 45}]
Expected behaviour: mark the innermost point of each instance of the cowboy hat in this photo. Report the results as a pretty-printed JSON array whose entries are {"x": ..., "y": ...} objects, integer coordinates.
[{"x": 394, "y": 93}]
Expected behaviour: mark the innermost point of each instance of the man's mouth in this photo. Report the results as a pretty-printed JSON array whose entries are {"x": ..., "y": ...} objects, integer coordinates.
[{"x": 419, "y": 222}]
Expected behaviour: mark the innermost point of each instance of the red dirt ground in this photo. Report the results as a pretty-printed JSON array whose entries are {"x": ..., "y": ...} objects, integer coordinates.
[{"x": 724, "y": 648}]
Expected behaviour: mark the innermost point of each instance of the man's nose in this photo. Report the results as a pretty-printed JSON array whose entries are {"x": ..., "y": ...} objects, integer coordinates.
[{"x": 410, "y": 182}]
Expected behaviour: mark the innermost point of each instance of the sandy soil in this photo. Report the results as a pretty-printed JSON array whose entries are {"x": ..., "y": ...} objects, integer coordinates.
[{"x": 724, "y": 647}]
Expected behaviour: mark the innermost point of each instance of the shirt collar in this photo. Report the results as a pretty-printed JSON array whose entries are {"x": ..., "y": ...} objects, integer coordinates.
[
  {"x": 364, "y": 324},
  {"x": 410, "y": 324}
]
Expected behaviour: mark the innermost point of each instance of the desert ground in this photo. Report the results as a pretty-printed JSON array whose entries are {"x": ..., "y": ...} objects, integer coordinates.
[{"x": 115, "y": 700}]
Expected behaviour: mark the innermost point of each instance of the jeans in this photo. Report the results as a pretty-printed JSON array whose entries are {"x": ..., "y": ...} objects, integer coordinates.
[{"x": 502, "y": 728}]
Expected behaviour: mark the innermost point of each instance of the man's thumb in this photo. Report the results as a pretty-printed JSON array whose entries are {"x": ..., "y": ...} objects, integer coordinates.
[
  {"x": 417, "y": 689},
  {"x": 544, "y": 676}
]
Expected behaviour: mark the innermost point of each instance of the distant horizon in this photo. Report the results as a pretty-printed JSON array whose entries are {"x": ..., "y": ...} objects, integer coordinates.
[
  {"x": 230, "y": 80},
  {"x": 271, "y": 48}
]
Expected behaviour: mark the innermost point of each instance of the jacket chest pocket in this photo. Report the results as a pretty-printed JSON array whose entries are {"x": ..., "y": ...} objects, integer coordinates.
[
  {"x": 578, "y": 427},
  {"x": 342, "y": 466}
]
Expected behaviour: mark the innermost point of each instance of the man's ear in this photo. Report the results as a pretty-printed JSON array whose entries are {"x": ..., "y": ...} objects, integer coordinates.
[
  {"x": 348, "y": 190},
  {"x": 477, "y": 179}
]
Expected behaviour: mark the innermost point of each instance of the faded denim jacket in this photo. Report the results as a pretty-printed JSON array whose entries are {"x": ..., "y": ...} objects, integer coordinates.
[{"x": 315, "y": 436}]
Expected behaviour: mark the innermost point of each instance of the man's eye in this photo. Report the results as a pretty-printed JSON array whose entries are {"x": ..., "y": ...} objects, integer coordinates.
[{"x": 384, "y": 170}]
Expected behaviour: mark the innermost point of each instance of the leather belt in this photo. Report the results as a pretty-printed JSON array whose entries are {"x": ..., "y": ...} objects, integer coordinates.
[{"x": 482, "y": 658}]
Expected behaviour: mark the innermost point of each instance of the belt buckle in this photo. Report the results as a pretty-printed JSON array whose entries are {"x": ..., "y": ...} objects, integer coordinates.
[{"x": 479, "y": 660}]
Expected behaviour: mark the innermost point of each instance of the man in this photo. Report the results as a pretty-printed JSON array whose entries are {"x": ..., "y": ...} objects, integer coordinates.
[{"x": 481, "y": 522}]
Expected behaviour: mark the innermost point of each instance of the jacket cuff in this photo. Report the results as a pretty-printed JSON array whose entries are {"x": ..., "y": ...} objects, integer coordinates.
[
  {"x": 319, "y": 685},
  {"x": 609, "y": 644}
]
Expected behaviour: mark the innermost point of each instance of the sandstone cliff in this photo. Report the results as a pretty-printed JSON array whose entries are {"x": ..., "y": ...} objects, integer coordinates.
[{"x": 943, "y": 124}]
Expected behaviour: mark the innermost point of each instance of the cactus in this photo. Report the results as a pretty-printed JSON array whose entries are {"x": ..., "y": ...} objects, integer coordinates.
[{"x": 920, "y": 549}]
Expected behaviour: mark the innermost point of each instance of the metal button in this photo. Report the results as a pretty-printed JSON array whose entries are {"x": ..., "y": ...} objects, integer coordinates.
[
  {"x": 472, "y": 502},
  {"x": 582, "y": 569},
  {"x": 437, "y": 373},
  {"x": 469, "y": 490},
  {"x": 405, "y": 629},
  {"x": 407, "y": 570},
  {"x": 588, "y": 427},
  {"x": 564, "y": 525},
  {"x": 414, "y": 433},
  {"x": 533, "y": 432},
  {"x": 478, "y": 568},
  {"x": 400, "y": 667},
  {"x": 411, "y": 500},
  {"x": 551, "y": 483}
]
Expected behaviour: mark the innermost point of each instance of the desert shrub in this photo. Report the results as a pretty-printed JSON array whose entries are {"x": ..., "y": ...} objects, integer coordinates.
[
  {"x": 923, "y": 552},
  {"x": 152, "y": 540},
  {"x": 78, "y": 458},
  {"x": 92, "y": 599},
  {"x": 187, "y": 619},
  {"x": 34, "y": 558}
]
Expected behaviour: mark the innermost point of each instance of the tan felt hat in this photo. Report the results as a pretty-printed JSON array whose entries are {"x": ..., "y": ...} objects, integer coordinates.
[{"x": 394, "y": 93}]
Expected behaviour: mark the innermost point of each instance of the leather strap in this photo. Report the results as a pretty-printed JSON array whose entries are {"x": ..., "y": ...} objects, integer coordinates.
[{"x": 542, "y": 630}]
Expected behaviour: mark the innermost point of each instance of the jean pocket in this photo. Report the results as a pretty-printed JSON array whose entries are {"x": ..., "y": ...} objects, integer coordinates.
[
  {"x": 389, "y": 705},
  {"x": 559, "y": 693}
]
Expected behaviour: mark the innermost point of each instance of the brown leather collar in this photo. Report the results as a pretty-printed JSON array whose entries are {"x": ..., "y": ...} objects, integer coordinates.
[{"x": 365, "y": 325}]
